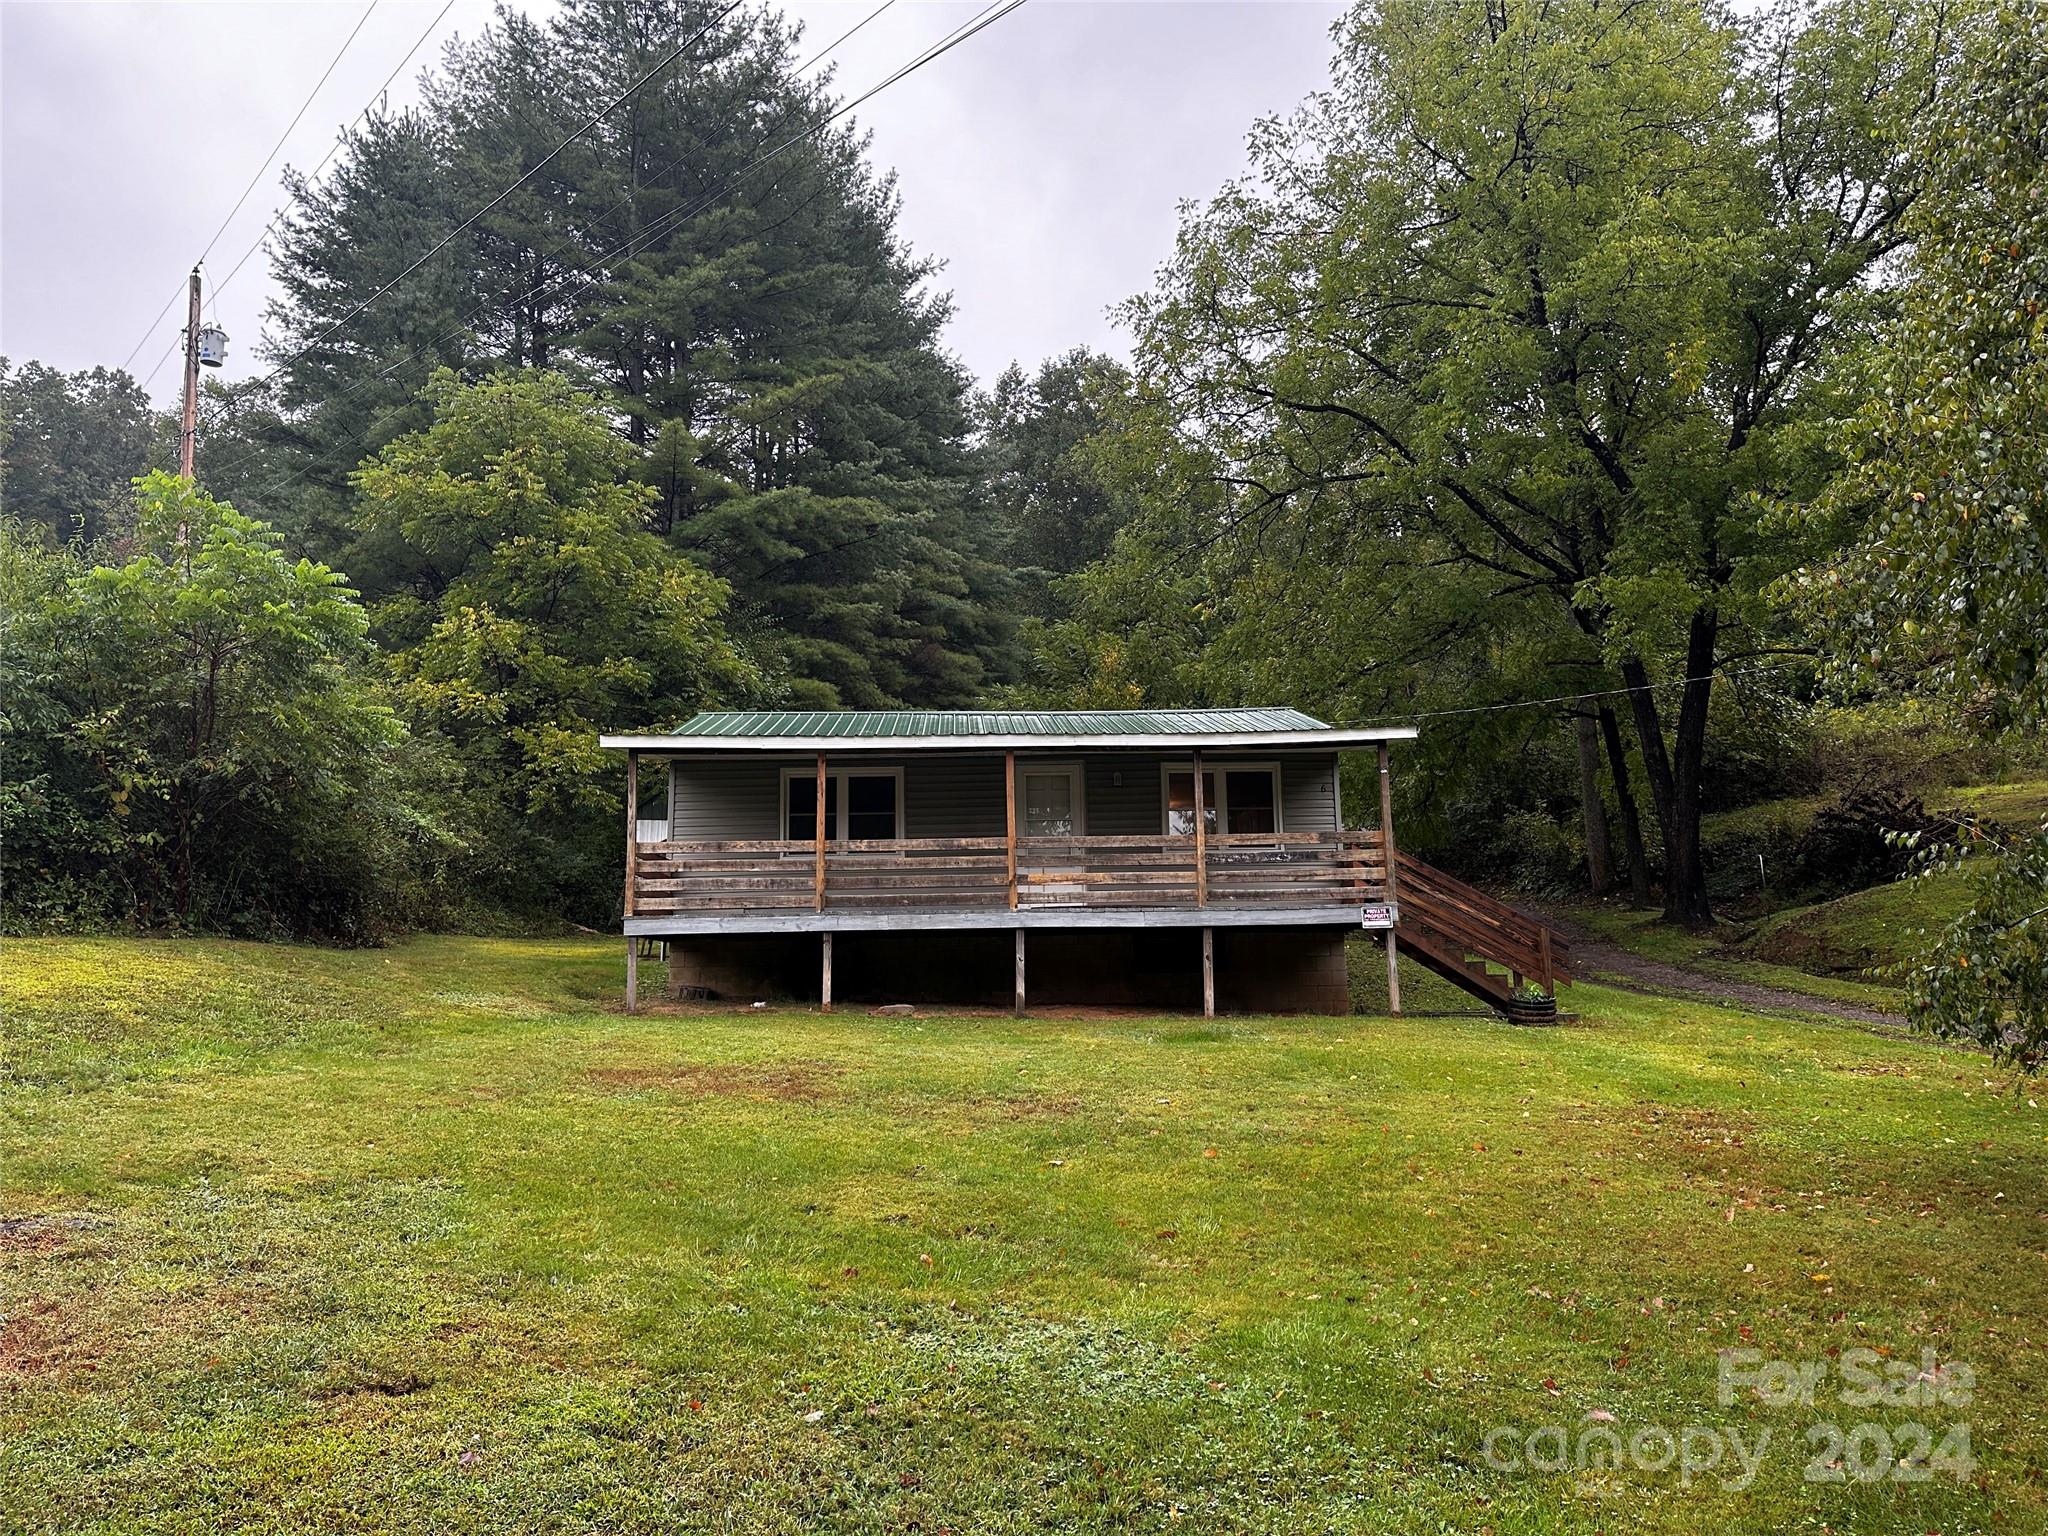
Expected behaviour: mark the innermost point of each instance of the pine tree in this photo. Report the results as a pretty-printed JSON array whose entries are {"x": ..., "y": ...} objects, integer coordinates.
[
  {"x": 762, "y": 334},
  {"x": 1058, "y": 509},
  {"x": 347, "y": 380}
]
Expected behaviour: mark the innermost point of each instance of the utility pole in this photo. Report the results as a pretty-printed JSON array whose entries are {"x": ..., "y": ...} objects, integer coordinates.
[{"x": 189, "y": 433}]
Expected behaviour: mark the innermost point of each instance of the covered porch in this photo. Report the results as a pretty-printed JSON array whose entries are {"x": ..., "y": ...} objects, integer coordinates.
[{"x": 1192, "y": 821}]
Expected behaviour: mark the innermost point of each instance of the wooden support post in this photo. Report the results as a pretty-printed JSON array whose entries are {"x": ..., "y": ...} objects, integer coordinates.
[
  {"x": 1020, "y": 971},
  {"x": 1010, "y": 830},
  {"x": 1543, "y": 959},
  {"x": 632, "y": 974},
  {"x": 1201, "y": 836},
  {"x": 818, "y": 806},
  {"x": 1208, "y": 973},
  {"x": 632, "y": 826},
  {"x": 1387, "y": 820},
  {"x": 1391, "y": 856},
  {"x": 825, "y": 978}
]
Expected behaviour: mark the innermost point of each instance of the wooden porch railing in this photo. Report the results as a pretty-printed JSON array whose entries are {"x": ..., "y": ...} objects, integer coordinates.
[{"x": 1285, "y": 869}]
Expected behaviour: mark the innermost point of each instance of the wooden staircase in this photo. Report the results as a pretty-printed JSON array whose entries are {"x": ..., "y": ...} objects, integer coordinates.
[{"x": 1478, "y": 943}]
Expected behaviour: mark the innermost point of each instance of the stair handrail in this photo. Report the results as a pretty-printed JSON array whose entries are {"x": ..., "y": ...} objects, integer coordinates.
[{"x": 1467, "y": 917}]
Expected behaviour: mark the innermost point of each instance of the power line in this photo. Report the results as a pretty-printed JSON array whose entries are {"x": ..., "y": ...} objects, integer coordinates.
[
  {"x": 294, "y": 123},
  {"x": 169, "y": 347},
  {"x": 681, "y": 211},
  {"x": 449, "y": 239},
  {"x": 331, "y": 63},
  {"x": 176, "y": 294},
  {"x": 339, "y": 139},
  {"x": 589, "y": 264},
  {"x": 842, "y": 37},
  {"x": 1574, "y": 698}
]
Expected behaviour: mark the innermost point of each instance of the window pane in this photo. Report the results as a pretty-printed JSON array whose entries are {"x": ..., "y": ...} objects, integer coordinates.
[
  {"x": 1180, "y": 803},
  {"x": 803, "y": 794},
  {"x": 1048, "y": 805},
  {"x": 870, "y": 806},
  {"x": 1251, "y": 800}
]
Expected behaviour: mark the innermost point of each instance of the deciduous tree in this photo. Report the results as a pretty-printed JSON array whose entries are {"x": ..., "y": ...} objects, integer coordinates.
[
  {"x": 534, "y": 609},
  {"x": 196, "y": 736},
  {"x": 1534, "y": 302},
  {"x": 1945, "y": 587}
]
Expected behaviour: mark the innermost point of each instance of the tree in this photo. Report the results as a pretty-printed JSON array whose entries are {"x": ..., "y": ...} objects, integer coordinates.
[
  {"x": 347, "y": 371},
  {"x": 1038, "y": 438},
  {"x": 1537, "y": 299},
  {"x": 195, "y": 738},
  {"x": 532, "y": 609},
  {"x": 764, "y": 317},
  {"x": 1945, "y": 587},
  {"x": 69, "y": 446}
]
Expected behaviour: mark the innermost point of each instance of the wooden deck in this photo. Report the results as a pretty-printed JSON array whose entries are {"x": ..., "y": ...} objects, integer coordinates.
[{"x": 1219, "y": 880}]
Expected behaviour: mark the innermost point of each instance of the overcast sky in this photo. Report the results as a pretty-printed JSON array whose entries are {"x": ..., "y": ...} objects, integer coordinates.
[{"x": 1042, "y": 160}]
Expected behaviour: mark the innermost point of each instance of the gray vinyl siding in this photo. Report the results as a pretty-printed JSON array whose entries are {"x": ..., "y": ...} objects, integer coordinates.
[
  {"x": 725, "y": 798},
  {"x": 742, "y": 797},
  {"x": 1308, "y": 793},
  {"x": 1130, "y": 810},
  {"x": 953, "y": 797},
  {"x": 963, "y": 796}
]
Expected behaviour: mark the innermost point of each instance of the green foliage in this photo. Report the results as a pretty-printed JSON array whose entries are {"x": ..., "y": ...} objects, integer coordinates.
[
  {"x": 1984, "y": 977},
  {"x": 765, "y": 338},
  {"x": 1949, "y": 580},
  {"x": 195, "y": 737},
  {"x": 531, "y": 609},
  {"x": 1483, "y": 369},
  {"x": 1948, "y": 583},
  {"x": 69, "y": 446},
  {"x": 339, "y": 395},
  {"x": 1040, "y": 441}
]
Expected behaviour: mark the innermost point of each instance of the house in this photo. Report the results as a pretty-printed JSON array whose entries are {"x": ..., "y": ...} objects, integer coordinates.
[{"x": 1162, "y": 858}]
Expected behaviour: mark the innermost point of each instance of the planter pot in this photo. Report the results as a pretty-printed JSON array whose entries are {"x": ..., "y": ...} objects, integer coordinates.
[{"x": 1532, "y": 1011}]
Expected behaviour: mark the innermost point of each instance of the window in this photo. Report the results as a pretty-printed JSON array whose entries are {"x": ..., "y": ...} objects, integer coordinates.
[
  {"x": 1251, "y": 800},
  {"x": 870, "y": 806},
  {"x": 1180, "y": 801},
  {"x": 1049, "y": 799},
  {"x": 803, "y": 801},
  {"x": 1236, "y": 798},
  {"x": 860, "y": 806}
]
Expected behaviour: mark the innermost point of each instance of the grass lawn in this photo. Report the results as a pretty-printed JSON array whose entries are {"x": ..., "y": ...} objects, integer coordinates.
[{"x": 435, "y": 1239}]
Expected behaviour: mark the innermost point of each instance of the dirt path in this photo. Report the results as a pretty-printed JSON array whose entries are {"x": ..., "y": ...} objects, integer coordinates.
[{"x": 1595, "y": 957}]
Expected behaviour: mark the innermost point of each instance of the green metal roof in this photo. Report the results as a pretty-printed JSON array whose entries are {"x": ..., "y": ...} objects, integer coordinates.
[
  {"x": 986, "y": 730},
  {"x": 910, "y": 723}
]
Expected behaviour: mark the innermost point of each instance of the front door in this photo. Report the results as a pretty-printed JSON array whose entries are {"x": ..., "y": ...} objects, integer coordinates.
[
  {"x": 1049, "y": 806},
  {"x": 1052, "y": 802}
]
